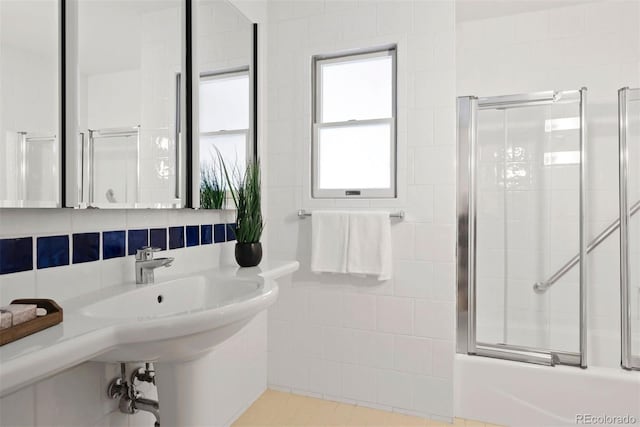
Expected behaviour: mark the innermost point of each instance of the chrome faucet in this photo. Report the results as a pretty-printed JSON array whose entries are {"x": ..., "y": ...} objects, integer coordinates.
[{"x": 146, "y": 264}]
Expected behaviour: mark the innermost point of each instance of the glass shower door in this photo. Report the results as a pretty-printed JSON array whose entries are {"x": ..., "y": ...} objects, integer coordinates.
[
  {"x": 524, "y": 215},
  {"x": 629, "y": 134}
]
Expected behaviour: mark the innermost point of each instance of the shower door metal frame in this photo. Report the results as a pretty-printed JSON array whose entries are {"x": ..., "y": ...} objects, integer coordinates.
[
  {"x": 467, "y": 343},
  {"x": 627, "y": 359}
]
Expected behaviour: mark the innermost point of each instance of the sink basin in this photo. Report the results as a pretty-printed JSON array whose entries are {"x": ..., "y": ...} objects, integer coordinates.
[
  {"x": 178, "y": 319},
  {"x": 174, "y": 297}
]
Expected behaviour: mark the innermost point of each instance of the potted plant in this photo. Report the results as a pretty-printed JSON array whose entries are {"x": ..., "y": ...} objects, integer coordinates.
[
  {"x": 245, "y": 192},
  {"x": 212, "y": 189}
]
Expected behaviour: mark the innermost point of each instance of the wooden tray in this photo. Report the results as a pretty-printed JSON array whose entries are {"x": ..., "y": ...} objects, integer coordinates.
[{"x": 53, "y": 317}]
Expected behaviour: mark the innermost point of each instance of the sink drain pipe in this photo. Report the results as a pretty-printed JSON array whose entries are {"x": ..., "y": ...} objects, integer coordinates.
[{"x": 131, "y": 400}]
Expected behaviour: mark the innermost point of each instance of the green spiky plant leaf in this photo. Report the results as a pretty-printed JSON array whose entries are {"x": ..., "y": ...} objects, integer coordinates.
[
  {"x": 244, "y": 187},
  {"x": 213, "y": 190}
]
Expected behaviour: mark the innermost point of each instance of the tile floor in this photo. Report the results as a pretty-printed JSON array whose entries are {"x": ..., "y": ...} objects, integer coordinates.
[{"x": 275, "y": 408}]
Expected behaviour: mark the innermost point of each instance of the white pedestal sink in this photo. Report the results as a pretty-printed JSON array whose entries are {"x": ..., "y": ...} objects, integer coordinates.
[
  {"x": 173, "y": 324},
  {"x": 180, "y": 319}
]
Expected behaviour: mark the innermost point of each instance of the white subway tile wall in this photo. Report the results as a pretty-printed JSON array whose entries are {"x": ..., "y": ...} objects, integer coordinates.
[{"x": 382, "y": 344}]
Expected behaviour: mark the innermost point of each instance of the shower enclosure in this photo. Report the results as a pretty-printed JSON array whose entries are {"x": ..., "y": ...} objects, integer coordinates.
[
  {"x": 629, "y": 146},
  {"x": 521, "y": 215}
]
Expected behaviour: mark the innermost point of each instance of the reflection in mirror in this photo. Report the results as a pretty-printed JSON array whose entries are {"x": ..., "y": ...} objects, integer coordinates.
[
  {"x": 224, "y": 56},
  {"x": 130, "y": 59},
  {"x": 29, "y": 103}
]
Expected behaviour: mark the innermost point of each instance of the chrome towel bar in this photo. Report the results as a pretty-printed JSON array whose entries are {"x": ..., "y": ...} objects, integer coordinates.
[{"x": 303, "y": 214}]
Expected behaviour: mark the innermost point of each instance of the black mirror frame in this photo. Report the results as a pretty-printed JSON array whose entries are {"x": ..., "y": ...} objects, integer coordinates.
[
  {"x": 188, "y": 197},
  {"x": 254, "y": 66},
  {"x": 63, "y": 103}
]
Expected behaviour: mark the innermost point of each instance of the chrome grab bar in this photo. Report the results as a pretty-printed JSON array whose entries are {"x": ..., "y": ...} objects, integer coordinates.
[{"x": 541, "y": 287}]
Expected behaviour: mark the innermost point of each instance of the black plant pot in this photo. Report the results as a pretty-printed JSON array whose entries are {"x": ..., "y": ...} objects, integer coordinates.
[{"x": 248, "y": 254}]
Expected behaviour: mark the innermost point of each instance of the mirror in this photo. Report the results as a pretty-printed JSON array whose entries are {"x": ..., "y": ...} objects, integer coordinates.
[
  {"x": 29, "y": 104},
  {"x": 128, "y": 111},
  {"x": 224, "y": 96}
]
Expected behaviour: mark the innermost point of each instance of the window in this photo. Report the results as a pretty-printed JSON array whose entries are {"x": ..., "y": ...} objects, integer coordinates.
[
  {"x": 224, "y": 119},
  {"x": 354, "y": 138}
]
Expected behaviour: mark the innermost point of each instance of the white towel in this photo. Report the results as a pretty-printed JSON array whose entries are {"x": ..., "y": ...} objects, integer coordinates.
[
  {"x": 369, "y": 250},
  {"x": 329, "y": 234}
]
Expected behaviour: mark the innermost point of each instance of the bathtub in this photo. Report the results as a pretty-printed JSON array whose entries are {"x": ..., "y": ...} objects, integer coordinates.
[{"x": 522, "y": 394}]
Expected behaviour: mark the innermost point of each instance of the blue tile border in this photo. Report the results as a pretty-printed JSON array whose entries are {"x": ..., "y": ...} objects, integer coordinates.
[
  {"x": 206, "y": 234},
  {"x": 231, "y": 232},
  {"x": 52, "y": 251},
  {"x": 137, "y": 239},
  {"x": 86, "y": 247},
  {"x": 219, "y": 234},
  {"x": 17, "y": 253},
  {"x": 113, "y": 244},
  {"x": 193, "y": 235},
  {"x": 158, "y": 238},
  {"x": 176, "y": 237}
]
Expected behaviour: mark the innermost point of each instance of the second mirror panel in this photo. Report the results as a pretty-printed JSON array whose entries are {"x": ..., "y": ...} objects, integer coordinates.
[
  {"x": 224, "y": 57},
  {"x": 129, "y": 110}
]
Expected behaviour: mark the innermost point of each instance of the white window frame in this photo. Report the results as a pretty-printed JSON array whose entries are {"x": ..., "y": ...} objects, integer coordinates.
[
  {"x": 224, "y": 74},
  {"x": 318, "y": 125}
]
